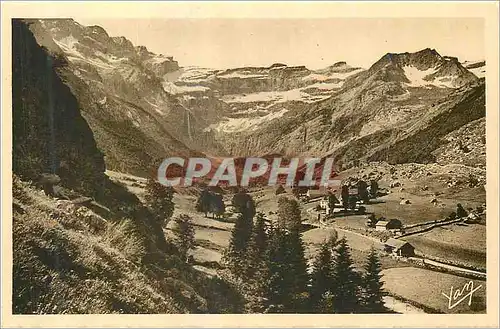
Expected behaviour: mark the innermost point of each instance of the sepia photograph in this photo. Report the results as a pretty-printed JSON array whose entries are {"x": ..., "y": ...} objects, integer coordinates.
[{"x": 250, "y": 164}]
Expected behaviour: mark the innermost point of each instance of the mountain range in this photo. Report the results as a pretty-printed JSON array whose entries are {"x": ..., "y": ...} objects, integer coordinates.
[{"x": 141, "y": 107}]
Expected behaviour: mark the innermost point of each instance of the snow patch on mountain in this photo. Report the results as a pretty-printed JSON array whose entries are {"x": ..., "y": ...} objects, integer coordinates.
[
  {"x": 420, "y": 78},
  {"x": 331, "y": 76},
  {"x": 326, "y": 86},
  {"x": 264, "y": 96},
  {"x": 69, "y": 46},
  {"x": 242, "y": 75},
  {"x": 478, "y": 68},
  {"x": 159, "y": 59},
  {"x": 479, "y": 72},
  {"x": 233, "y": 125},
  {"x": 68, "y": 42},
  {"x": 447, "y": 81},
  {"x": 190, "y": 74},
  {"x": 175, "y": 89},
  {"x": 417, "y": 77},
  {"x": 275, "y": 97}
]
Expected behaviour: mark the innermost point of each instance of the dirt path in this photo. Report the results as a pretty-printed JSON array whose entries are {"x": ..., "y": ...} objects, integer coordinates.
[
  {"x": 401, "y": 307},
  {"x": 359, "y": 241},
  {"x": 454, "y": 268}
]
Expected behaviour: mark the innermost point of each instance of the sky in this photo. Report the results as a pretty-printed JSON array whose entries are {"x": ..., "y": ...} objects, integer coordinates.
[{"x": 315, "y": 43}]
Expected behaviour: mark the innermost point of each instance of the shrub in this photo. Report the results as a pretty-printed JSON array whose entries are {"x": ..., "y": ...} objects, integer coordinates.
[{"x": 123, "y": 235}]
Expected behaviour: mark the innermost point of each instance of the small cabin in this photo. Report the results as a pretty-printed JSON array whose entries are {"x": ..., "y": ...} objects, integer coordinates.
[
  {"x": 319, "y": 193},
  {"x": 353, "y": 191},
  {"x": 323, "y": 203},
  {"x": 392, "y": 224},
  {"x": 399, "y": 248}
]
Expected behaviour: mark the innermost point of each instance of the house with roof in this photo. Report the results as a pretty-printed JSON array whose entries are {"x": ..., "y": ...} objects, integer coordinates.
[
  {"x": 353, "y": 191},
  {"x": 391, "y": 224},
  {"x": 318, "y": 193},
  {"x": 324, "y": 203},
  {"x": 399, "y": 248}
]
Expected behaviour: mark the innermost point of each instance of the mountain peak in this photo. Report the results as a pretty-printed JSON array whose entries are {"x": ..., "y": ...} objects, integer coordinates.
[
  {"x": 422, "y": 68},
  {"x": 339, "y": 64},
  {"x": 275, "y": 65},
  {"x": 427, "y": 51}
]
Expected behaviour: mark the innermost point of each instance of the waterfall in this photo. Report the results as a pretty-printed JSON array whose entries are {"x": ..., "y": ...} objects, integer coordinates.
[
  {"x": 188, "y": 125},
  {"x": 52, "y": 135}
]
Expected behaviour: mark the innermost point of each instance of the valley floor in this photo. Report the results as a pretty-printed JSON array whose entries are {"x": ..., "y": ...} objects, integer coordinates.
[{"x": 412, "y": 288}]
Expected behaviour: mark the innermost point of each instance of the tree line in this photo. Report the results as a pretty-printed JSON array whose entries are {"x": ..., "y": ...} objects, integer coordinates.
[{"x": 266, "y": 263}]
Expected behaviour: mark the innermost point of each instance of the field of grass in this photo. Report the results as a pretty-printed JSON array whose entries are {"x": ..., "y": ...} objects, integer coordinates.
[
  {"x": 464, "y": 244},
  {"x": 426, "y": 287},
  {"x": 471, "y": 236},
  {"x": 220, "y": 238},
  {"x": 419, "y": 210},
  {"x": 201, "y": 254}
]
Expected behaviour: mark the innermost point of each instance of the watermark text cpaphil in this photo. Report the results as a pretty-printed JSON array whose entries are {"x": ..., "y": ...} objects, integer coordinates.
[{"x": 304, "y": 172}]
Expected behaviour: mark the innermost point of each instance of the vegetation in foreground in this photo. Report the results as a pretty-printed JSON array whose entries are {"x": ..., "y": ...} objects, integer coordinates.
[{"x": 68, "y": 259}]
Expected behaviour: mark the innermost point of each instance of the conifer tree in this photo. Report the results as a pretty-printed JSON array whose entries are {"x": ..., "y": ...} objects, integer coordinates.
[
  {"x": 203, "y": 202},
  {"x": 257, "y": 272},
  {"x": 297, "y": 272},
  {"x": 345, "y": 197},
  {"x": 345, "y": 288},
  {"x": 363, "y": 191},
  {"x": 216, "y": 206},
  {"x": 278, "y": 286},
  {"x": 289, "y": 214},
  {"x": 321, "y": 278},
  {"x": 256, "y": 251},
  {"x": 184, "y": 235},
  {"x": 373, "y": 188},
  {"x": 332, "y": 201},
  {"x": 235, "y": 255},
  {"x": 159, "y": 201},
  {"x": 373, "y": 292},
  {"x": 287, "y": 272},
  {"x": 244, "y": 203}
]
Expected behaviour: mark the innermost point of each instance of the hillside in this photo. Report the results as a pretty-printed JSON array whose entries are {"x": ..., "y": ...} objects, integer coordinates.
[
  {"x": 93, "y": 247},
  {"x": 43, "y": 141}
]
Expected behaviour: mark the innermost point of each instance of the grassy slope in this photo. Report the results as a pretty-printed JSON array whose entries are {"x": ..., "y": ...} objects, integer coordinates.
[
  {"x": 427, "y": 286},
  {"x": 69, "y": 260}
]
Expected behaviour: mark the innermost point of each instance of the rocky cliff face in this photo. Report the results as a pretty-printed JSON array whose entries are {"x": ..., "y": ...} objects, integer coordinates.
[
  {"x": 242, "y": 99},
  {"x": 73, "y": 257},
  {"x": 49, "y": 133},
  {"x": 134, "y": 120}
]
